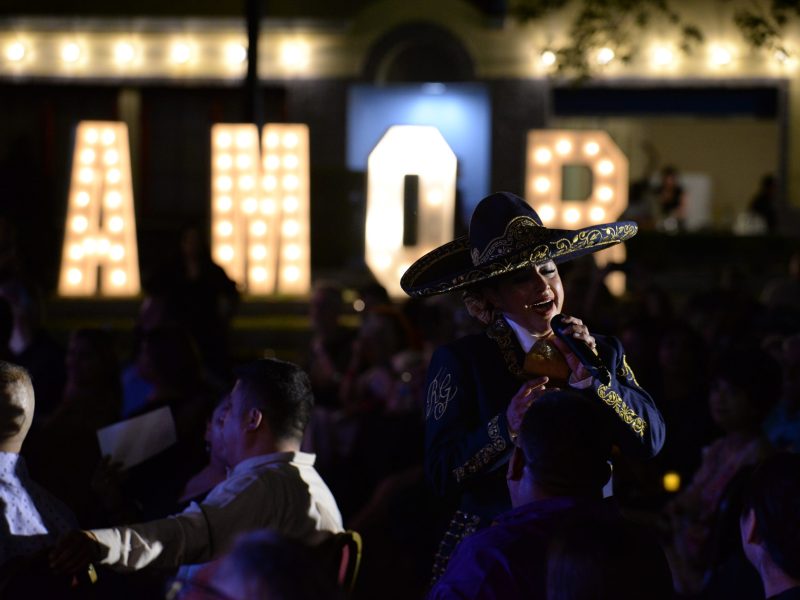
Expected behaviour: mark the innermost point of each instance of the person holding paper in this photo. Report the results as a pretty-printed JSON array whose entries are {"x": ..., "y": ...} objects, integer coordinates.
[{"x": 271, "y": 485}]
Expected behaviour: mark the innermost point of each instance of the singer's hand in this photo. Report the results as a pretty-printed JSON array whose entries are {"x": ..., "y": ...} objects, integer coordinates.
[
  {"x": 522, "y": 401},
  {"x": 579, "y": 331}
]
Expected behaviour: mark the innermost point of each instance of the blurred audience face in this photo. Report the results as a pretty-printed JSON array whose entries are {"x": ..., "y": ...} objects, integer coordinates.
[
  {"x": 85, "y": 365},
  {"x": 213, "y": 436},
  {"x": 731, "y": 407}
]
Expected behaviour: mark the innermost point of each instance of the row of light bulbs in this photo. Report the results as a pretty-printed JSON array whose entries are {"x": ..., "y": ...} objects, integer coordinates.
[
  {"x": 293, "y": 55},
  {"x": 664, "y": 57}
]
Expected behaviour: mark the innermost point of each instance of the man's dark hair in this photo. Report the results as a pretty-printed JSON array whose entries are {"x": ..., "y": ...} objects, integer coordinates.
[
  {"x": 772, "y": 494},
  {"x": 566, "y": 440},
  {"x": 281, "y": 391}
]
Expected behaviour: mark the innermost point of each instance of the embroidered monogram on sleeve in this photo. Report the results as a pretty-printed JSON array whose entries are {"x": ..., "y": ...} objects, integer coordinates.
[
  {"x": 625, "y": 412},
  {"x": 440, "y": 392},
  {"x": 485, "y": 455}
]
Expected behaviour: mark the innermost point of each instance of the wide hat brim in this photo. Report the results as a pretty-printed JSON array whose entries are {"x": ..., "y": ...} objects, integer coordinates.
[{"x": 524, "y": 243}]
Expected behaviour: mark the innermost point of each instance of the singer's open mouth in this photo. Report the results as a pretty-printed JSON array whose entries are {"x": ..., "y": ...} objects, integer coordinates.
[{"x": 543, "y": 307}]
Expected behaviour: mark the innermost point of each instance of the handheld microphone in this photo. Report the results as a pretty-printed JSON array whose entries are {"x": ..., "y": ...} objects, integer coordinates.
[{"x": 585, "y": 354}]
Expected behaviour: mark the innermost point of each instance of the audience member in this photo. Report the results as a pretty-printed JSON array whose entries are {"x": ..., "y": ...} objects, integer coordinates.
[
  {"x": 555, "y": 479},
  {"x": 770, "y": 525},
  {"x": 782, "y": 425},
  {"x": 745, "y": 382},
  {"x": 671, "y": 200},
  {"x": 32, "y": 518},
  {"x": 215, "y": 471},
  {"x": 271, "y": 485},
  {"x": 764, "y": 203},
  {"x": 263, "y": 566}
]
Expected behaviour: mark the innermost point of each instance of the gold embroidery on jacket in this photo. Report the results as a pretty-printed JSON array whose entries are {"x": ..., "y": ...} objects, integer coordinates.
[
  {"x": 485, "y": 455},
  {"x": 626, "y": 371},
  {"x": 625, "y": 412}
]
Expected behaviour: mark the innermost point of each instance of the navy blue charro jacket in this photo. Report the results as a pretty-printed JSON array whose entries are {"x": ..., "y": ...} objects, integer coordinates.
[{"x": 470, "y": 384}]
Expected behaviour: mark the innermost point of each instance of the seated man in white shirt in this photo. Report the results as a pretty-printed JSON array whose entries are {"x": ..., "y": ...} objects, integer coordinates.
[
  {"x": 270, "y": 485},
  {"x": 32, "y": 519}
]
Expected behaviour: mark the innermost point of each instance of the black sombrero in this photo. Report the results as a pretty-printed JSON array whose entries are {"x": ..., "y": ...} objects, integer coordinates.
[{"x": 505, "y": 235}]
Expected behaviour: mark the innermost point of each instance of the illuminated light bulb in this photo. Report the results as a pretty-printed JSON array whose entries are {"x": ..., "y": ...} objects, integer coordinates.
[
  {"x": 291, "y": 204},
  {"x": 235, "y": 54},
  {"x": 90, "y": 245},
  {"x": 115, "y": 224},
  {"x": 563, "y": 147},
  {"x": 662, "y": 57},
  {"x": 605, "y": 193},
  {"x": 118, "y": 278},
  {"x": 268, "y": 206},
  {"x": 116, "y": 253},
  {"x": 383, "y": 262},
  {"x": 88, "y": 156},
  {"x": 671, "y": 481},
  {"x": 291, "y": 182},
  {"x": 246, "y": 183},
  {"x": 272, "y": 162},
  {"x": 111, "y": 157},
  {"x": 291, "y": 273},
  {"x": 291, "y": 252},
  {"x": 225, "y": 253},
  {"x": 605, "y": 167},
  {"x": 224, "y": 183},
  {"x": 91, "y": 136},
  {"x": 720, "y": 56},
  {"x": 597, "y": 214},
  {"x": 223, "y": 139},
  {"x": 103, "y": 246},
  {"x": 76, "y": 252},
  {"x": 572, "y": 215},
  {"x": 541, "y": 184},
  {"x": 224, "y": 203},
  {"x": 108, "y": 137},
  {"x": 224, "y": 228},
  {"x": 547, "y": 58},
  {"x": 546, "y": 212},
  {"x": 80, "y": 224},
  {"x": 258, "y": 228},
  {"x": 290, "y": 161},
  {"x": 435, "y": 197},
  {"x": 258, "y": 252},
  {"x": 273, "y": 139},
  {"x": 290, "y": 140},
  {"x": 243, "y": 161},
  {"x": 249, "y": 205},
  {"x": 224, "y": 162},
  {"x": 269, "y": 183},
  {"x": 74, "y": 276},
  {"x": 244, "y": 139},
  {"x": 180, "y": 53},
  {"x": 124, "y": 53},
  {"x": 86, "y": 175},
  {"x": 15, "y": 51},
  {"x": 113, "y": 176},
  {"x": 605, "y": 56},
  {"x": 359, "y": 305},
  {"x": 542, "y": 156},
  {"x": 290, "y": 228},
  {"x": 82, "y": 199},
  {"x": 295, "y": 55},
  {"x": 70, "y": 52},
  {"x": 591, "y": 148},
  {"x": 258, "y": 274}
]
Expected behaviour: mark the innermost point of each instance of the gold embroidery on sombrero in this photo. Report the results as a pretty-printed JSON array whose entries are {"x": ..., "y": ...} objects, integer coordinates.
[
  {"x": 526, "y": 235},
  {"x": 485, "y": 455},
  {"x": 626, "y": 371},
  {"x": 625, "y": 412},
  {"x": 517, "y": 229},
  {"x": 501, "y": 333}
]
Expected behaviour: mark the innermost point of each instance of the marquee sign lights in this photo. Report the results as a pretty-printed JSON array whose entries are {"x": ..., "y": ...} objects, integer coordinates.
[
  {"x": 100, "y": 252},
  {"x": 260, "y": 206},
  {"x": 408, "y": 150},
  {"x": 548, "y": 152}
]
